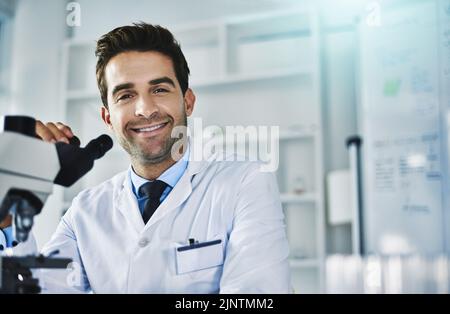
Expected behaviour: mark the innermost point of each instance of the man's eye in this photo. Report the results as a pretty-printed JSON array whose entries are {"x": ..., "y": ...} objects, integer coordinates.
[
  {"x": 160, "y": 90},
  {"x": 126, "y": 96}
]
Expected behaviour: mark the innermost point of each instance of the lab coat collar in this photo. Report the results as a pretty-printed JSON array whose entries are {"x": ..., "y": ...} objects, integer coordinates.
[{"x": 126, "y": 203}]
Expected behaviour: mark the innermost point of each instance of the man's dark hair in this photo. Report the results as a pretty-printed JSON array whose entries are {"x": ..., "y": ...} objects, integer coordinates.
[{"x": 139, "y": 37}]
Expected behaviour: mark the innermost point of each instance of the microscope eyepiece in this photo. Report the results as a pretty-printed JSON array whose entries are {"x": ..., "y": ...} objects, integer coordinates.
[{"x": 76, "y": 162}]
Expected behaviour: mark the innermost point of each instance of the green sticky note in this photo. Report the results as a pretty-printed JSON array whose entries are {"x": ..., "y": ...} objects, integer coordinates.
[{"x": 391, "y": 87}]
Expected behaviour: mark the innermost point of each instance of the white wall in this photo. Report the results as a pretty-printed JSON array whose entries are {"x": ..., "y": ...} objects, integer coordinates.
[
  {"x": 39, "y": 29},
  {"x": 6, "y": 14}
]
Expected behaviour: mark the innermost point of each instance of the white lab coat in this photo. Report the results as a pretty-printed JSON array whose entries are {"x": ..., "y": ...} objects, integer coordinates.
[{"x": 114, "y": 252}]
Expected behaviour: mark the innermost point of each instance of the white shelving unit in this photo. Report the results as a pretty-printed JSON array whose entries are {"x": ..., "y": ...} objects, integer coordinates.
[
  {"x": 293, "y": 198},
  {"x": 251, "y": 70}
]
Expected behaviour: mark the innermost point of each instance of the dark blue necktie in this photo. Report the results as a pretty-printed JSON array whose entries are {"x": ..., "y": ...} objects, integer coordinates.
[{"x": 153, "y": 190}]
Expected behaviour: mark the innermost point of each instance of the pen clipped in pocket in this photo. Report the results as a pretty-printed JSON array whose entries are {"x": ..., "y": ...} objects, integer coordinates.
[{"x": 199, "y": 256}]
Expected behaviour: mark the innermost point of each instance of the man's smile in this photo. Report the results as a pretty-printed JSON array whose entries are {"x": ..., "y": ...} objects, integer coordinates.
[{"x": 150, "y": 130}]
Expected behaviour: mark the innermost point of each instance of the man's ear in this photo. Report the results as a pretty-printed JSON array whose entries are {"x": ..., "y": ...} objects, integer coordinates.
[
  {"x": 189, "y": 101},
  {"x": 106, "y": 117}
]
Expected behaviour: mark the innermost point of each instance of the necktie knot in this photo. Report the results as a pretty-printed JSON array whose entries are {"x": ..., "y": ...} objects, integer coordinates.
[{"x": 153, "y": 189}]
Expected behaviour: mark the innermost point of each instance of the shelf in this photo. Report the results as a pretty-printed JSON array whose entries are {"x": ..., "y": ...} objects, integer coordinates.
[
  {"x": 298, "y": 198},
  {"x": 303, "y": 263},
  {"x": 296, "y": 135},
  {"x": 251, "y": 77},
  {"x": 290, "y": 16},
  {"x": 284, "y": 136},
  {"x": 198, "y": 36}
]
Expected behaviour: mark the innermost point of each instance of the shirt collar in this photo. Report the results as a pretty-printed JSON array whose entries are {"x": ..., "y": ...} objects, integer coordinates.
[{"x": 169, "y": 176}]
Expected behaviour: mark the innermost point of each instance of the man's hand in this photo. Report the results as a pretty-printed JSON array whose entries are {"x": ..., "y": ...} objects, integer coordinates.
[
  {"x": 53, "y": 132},
  {"x": 6, "y": 222}
]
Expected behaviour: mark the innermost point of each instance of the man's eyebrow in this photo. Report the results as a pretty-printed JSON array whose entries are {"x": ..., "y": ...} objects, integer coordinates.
[
  {"x": 120, "y": 87},
  {"x": 163, "y": 79}
]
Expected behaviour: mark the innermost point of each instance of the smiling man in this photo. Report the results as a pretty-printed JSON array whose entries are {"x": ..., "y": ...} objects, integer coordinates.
[
  {"x": 144, "y": 103},
  {"x": 169, "y": 224}
]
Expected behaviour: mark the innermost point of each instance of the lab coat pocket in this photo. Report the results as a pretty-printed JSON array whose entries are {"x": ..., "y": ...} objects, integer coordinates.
[{"x": 199, "y": 256}]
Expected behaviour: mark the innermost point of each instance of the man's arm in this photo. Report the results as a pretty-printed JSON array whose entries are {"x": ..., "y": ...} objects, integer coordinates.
[
  {"x": 70, "y": 280},
  {"x": 257, "y": 251}
]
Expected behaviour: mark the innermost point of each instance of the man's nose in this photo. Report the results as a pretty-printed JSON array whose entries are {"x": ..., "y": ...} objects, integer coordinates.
[{"x": 145, "y": 107}]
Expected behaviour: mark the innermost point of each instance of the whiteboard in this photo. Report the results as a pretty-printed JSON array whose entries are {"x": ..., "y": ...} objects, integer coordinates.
[{"x": 402, "y": 65}]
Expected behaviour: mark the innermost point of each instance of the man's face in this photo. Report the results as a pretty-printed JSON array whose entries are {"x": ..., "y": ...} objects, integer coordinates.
[{"x": 145, "y": 103}]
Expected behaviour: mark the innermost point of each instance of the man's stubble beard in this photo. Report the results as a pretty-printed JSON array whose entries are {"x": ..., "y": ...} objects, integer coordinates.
[{"x": 140, "y": 156}]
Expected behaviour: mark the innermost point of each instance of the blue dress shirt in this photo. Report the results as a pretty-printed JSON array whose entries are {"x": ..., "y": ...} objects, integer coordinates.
[{"x": 8, "y": 236}]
